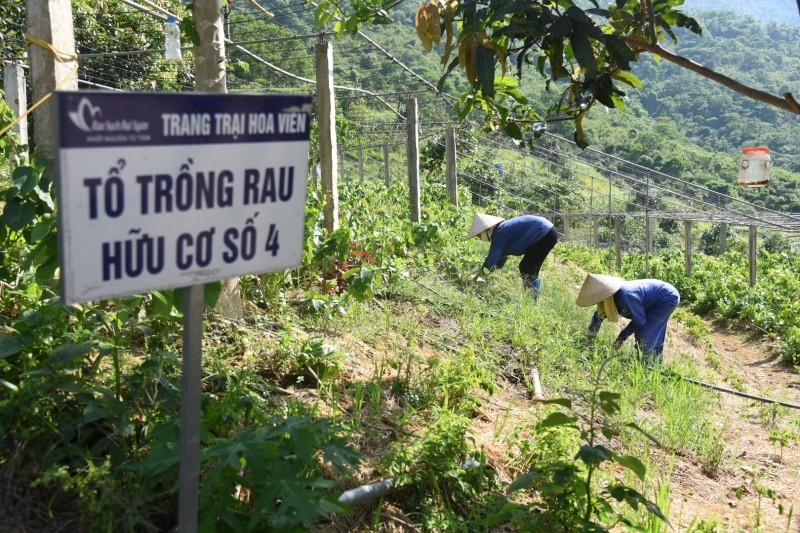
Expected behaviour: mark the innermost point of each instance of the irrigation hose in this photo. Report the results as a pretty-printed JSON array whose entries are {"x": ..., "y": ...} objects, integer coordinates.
[{"x": 734, "y": 392}]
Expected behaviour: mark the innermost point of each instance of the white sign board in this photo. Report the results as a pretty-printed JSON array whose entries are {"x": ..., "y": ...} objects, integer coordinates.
[{"x": 158, "y": 191}]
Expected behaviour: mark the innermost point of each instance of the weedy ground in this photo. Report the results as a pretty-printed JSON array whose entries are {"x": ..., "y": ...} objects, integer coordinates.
[
  {"x": 381, "y": 345},
  {"x": 434, "y": 356}
]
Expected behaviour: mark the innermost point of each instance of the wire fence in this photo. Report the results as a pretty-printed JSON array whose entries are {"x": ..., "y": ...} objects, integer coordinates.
[{"x": 554, "y": 178}]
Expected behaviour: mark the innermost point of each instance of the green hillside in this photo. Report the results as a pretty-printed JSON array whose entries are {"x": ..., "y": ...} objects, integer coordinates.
[{"x": 782, "y": 11}]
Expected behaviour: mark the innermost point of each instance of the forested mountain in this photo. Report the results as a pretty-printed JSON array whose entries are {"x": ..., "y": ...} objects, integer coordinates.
[
  {"x": 762, "y": 56},
  {"x": 683, "y": 124},
  {"x": 766, "y": 10}
]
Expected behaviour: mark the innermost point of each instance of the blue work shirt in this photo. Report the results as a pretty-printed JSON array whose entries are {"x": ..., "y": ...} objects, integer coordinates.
[
  {"x": 513, "y": 237},
  {"x": 648, "y": 303}
]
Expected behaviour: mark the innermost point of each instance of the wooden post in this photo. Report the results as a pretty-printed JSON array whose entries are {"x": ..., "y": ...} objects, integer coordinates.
[
  {"x": 211, "y": 77},
  {"x": 617, "y": 246},
  {"x": 647, "y": 228},
  {"x": 723, "y": 238},
  {"x": 412, "y": 151},
  {"x": 326, "y": 120},
  {"x": 687, "y": 227},
  {"x": 566, "y": 228},
  {"x": 596, "y": 231},
  {"x": 648, "y": 244},
  {"x": 386, "y": 165},
  {"x": 361, "y": 164},
  {"x": 609, "y": 204},
  {"x": 16, "y": 97},
  {"x": 51, "y": 69},
  {"x": 210, "y": 74},
  {"x": 452, "y": 176},
  {"x": 752, "y": 255}
]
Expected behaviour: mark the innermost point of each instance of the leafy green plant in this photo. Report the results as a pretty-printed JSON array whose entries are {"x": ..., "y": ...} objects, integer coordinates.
[
  {"x": 438, "y": 472},
  {"x": 782, "y": 437},
  {"x": 268, "y": 477},
  {"x": 568, "y": 496}
]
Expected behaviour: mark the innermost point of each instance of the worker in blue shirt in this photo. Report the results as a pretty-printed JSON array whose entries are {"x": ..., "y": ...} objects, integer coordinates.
[
  {"x": 648, "y": 303},
  {"x": 530, "y": 236}
]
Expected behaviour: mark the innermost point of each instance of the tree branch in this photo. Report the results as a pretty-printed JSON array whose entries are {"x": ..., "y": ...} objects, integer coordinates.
[
  {"x": 647, "y": 7},
  {"x": 787, "y": 103}
]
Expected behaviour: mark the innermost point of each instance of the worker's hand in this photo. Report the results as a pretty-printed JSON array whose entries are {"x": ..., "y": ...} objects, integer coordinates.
[{"x": 476, "y": 278}]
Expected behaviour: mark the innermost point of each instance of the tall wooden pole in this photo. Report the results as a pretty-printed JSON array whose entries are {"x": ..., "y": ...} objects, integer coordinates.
[
  {"x": 412, "y": 150},
  {"x": 648, "y": 244},
  {"x": 687, "y": 249},
  {"x": 723, "y": 238},
  {"x": 386, "y": 174},
  {"x": 53, "y": 68},
  {"x": 751, "y": 249},
  {"x": 450, "y": 156},
  {"x": 16, "y": 97},
  {"x": 211, "y": 77},
  {"x": 326, "y": 119}
]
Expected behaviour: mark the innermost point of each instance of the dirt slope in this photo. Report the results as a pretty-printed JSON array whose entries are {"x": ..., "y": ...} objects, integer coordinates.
[{"x": 751, "y": 464}]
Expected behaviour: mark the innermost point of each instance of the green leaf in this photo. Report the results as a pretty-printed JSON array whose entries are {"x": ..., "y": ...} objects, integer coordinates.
[
  {"x": 557, "y": 419},
  {"x": 524, "y": 481},
  {"x": 619, "y": 52},
  {"x": 211, "y": 293},
  {"x": 564, "y": 402},
  {"x": 484, "y": 57},
  {"x": 654, "y": 440},
  {"x": 556, "y": 56},
  {"x": 187, "y": 28},
  {"x": 577, "y": 14},
  {"x": 594, "y": 455},
  {"x": 163, "y": 302},
  {"x": 582, "y": 50},
  {"x": 66, "y": 355},
  {"x": 94, "y": 411},
  {"x": 26, "y": 178},
  {"x": 633, "y": 498},
  {"x": 11, "y": 345},
  {"x": 331, "y": 506},
  {"x": 632, "y": 463},
  {"x": 17, "y": 214},
  {"x": 629, "y": 79},
  {"x": 45, "y": 198},
  {"x": 40, "y": 230},
  {"x": 561, "y": 27},
  {"x": 607, "y": 396},
  {"x": 513, "y": 130}
]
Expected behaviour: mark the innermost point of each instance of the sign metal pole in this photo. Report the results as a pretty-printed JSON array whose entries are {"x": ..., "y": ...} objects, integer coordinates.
[{"x": 190, "y": 408}]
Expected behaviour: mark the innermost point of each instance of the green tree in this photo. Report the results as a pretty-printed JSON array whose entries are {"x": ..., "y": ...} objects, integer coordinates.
[{"x": 586, "y": 53}]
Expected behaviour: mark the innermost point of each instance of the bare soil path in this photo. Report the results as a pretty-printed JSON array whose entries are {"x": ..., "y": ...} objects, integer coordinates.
[{"x": 757, "y": 484}]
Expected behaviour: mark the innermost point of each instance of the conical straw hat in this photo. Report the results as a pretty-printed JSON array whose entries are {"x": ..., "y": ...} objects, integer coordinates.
[
  {"x": 596, "y": 288},
  {"x": 482, "y": 222}
]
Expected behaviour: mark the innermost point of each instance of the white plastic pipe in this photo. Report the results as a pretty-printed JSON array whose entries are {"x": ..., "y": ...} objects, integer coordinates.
[{"x": 537, "y": 386}]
